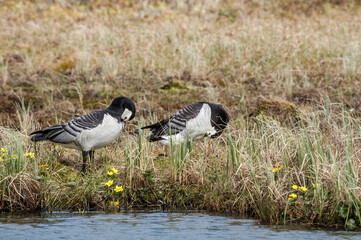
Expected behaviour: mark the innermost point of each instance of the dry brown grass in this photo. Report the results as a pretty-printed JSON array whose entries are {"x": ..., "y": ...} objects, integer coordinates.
[{"x": 288, "y": 74}]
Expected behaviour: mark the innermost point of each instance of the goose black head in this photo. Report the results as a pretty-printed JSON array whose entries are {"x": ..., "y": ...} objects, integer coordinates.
[
  {"x": 124, "y": 107},
  {"x": 220, "y": 119}
]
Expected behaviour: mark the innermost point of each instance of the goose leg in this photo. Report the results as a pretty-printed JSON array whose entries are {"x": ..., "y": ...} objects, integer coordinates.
[
  {"x": 91, "y": 156},
  {"x": 85, "y": 155}
]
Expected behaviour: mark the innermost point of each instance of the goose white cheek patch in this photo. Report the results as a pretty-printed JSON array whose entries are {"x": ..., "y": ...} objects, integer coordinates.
[
  {"x": 126, "y": 114},
  {"x": 211, "y": 132}
]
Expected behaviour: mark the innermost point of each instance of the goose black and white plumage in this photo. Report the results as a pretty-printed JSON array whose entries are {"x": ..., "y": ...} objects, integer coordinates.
[
  {"x": 92, "y": 131},
  {"x": 195, "y": 121}
]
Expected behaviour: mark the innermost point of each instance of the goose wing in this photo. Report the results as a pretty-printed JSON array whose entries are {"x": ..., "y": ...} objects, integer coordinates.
[{"x": 176, "y": 123}]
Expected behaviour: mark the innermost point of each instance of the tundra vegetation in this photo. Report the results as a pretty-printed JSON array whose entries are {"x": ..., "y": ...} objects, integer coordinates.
[{"x": 288, "y": 72}]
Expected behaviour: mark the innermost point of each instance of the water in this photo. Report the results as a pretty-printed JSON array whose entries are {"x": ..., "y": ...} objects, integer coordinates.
[{"x": 151, "y": 225}]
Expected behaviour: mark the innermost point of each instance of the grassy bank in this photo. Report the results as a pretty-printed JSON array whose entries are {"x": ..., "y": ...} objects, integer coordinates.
[{"x": 288, "y": 74}]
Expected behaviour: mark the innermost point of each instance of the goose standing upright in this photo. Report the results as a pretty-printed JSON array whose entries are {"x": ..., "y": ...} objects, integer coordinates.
[
  {"x": 195, "y": 121},
  {"x": 92, "y": 131}
]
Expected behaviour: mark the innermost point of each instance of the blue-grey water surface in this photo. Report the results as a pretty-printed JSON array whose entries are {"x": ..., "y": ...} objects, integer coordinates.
[{"x": 151, "y": 225}]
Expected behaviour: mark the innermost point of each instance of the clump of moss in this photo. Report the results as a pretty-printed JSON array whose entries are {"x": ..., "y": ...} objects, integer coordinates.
[
  {"x": 284, "y": 112},
  {"x": 68, "y": 174},
  {"x": 174, "y": 86},
  {"x": 67, "y": 65}
]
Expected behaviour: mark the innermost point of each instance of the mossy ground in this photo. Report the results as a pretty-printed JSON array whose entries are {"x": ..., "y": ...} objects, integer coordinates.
[{"x": 288, "y": 73}]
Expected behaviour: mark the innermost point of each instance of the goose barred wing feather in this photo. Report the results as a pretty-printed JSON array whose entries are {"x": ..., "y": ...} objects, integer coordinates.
[
  {"x": 85, "y": 122},
  {"x": 175, "y": 123},
  {"x": 178, "y": 120}
]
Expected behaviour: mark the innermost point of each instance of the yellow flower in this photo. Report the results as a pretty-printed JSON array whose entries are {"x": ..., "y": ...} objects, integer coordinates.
[
  {"x": 110, "y": 173},
  {"x": 47, "y": 168},
  {"x": 115, "y": 171},
  {"x": 118, "y": 189},
  {"x": 14, "y": 156},
  {"x": 114, "y": 203},
  {"x": 109, "y": 183},
  {"x": 289, "y": 199},
  {"x": 276, "y": 168},
  {"x": 303, "y": 189},
  {"x": 295, "y": 187},
  {"x": 3, "y": 154},
  {"x": 29, "y": 154},
  {"x": 43, "y": 166},
  {"x": 293, "y": 195},
  {"x": 3, "y": 150}
]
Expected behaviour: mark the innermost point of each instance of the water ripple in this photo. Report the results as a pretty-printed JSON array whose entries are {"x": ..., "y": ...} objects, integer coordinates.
[{"x": 153, "y": 225}]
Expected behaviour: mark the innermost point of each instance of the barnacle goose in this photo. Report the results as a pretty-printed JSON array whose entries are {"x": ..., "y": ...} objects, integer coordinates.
[
  {"x": 92, "y": 131},
  {"x": 195, "y": 121}
]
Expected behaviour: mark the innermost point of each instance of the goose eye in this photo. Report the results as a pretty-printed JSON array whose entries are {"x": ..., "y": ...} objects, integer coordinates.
[{"x": 126, "y": 114}]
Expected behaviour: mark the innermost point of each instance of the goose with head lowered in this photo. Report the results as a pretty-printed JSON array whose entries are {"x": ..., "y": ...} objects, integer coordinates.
[
  {"x": 195, "y": 121},
  {"x": 92, "y": 131}
]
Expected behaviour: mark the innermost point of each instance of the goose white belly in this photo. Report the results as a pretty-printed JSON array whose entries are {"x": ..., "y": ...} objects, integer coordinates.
[
  {"x": 196, "y": 128},
  {"x": 101, "y": 135}
]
